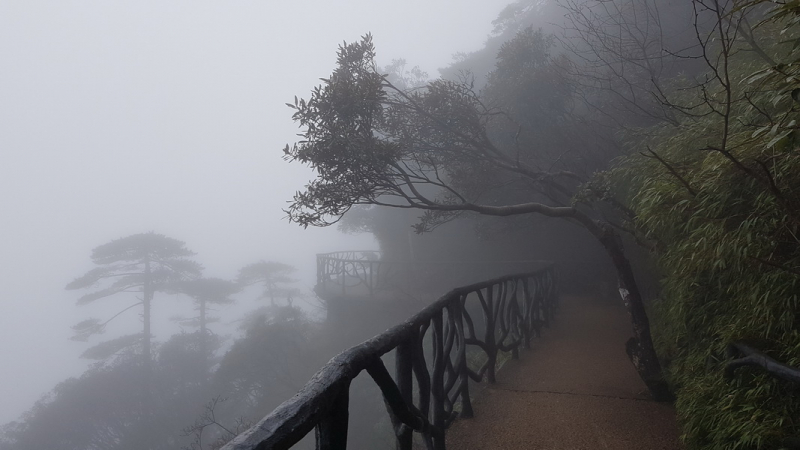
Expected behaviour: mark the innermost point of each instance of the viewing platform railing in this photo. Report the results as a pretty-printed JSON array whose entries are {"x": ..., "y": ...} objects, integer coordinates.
[
  {"x": 367, "y": 274},
  {"x": 350, "y": 269},
  {"x": 423, "y": 396}
]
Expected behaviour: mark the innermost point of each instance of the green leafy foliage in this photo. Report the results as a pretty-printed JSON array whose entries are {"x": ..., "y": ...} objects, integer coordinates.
[{"x": 719, "y": 192}]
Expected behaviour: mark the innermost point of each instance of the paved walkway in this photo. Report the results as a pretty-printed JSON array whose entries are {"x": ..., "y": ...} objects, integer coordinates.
[{"x": 574, "y": 390}]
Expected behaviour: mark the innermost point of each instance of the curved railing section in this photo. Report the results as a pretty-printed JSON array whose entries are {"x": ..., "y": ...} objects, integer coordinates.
[{"x": 432, "y": 371}]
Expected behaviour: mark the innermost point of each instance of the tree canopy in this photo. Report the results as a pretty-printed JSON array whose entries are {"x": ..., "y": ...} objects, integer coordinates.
[
  {"x": 274, "y": 278},
  {"x": 138, "y": 264},
  {"x": 444, "y": 149}
]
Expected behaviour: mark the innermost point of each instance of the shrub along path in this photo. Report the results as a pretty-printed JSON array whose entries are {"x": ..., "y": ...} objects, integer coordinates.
[{"x": 575, "y": 389}]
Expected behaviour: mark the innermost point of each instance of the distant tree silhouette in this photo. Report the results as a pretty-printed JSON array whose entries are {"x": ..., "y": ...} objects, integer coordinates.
[
  {"x": 274, "y": 277},
  {"x": 140, "y": 264},
  {"x": 204, "y": 292}
]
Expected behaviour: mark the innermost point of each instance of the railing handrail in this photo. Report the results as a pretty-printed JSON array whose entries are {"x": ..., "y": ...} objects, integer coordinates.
[
  {"x": 314, "y": 405},
  {"x": 348, "y": 251},
  {"x": 741, "y": 355},
  {"x": 334, "y": 256},
  {"x": 366, "y": 272}
]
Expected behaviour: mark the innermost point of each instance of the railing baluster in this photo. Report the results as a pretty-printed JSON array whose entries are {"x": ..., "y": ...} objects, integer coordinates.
[
  {"x": 538, "y": 306},
  {"x": 546, "y": 312},
  {"x": 513, "y": 319},
  {"x": 463, "y": 374},
  {"x": 405, "y": 384},
  {"x": 371, "y": 282},
  {"x": 331, "y": 431},
  {"x": 467, "y": 319},
  {"x": 489, "y": 336},
  {"x": 421, "y": 374},
  {"x": 423, "y": 383},
  {"x": 437, "y": 382},
  {"x": 527, "y": 313},
  {"x": 451, "y": 375},
  {"x": 502, "y": 313},
  {"x": 343, "y": 280},
  {"x": 499, "y": 302}
]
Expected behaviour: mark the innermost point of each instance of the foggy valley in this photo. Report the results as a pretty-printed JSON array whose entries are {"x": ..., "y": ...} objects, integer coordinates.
[
  {"x": 125, "y": 119},
  {"x": 204, "y": 202}
]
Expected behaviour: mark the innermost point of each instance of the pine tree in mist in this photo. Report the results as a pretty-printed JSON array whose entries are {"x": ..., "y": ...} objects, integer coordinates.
[
  {"x": 205, "y": 292},
  {"x": 135, "y": 267},
  {"x": 274, "y": 277}
]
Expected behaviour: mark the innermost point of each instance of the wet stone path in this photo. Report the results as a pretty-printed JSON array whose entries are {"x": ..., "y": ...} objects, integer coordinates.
[{"x": 575, "y": 389}]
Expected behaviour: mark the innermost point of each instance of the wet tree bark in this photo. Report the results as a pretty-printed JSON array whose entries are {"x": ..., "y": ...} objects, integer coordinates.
[{"x": 640, "y": 348}]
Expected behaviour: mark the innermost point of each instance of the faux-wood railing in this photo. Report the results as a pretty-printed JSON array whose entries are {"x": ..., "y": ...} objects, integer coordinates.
[
  {"x": 349, "y": 269},
  {"x": 513, "y": 308}
]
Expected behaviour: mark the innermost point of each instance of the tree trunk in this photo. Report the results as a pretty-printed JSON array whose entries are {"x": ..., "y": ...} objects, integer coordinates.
[
  {"x": 203, "y": 337},
  {"x": 640, "y": 348},
  {"x": 147, "y": 294}
]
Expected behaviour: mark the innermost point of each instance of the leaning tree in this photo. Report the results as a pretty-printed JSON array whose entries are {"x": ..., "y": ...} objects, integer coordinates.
[
  {"x": 444, "y": 149},
  {"x": 133, "y": 267}
]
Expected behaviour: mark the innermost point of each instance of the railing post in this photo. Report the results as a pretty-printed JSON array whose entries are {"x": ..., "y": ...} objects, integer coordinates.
[
  {"x": 463, "y": 375},
  {"x": 342, "y": 278},
  {"x": 331, "y": 431},
  {"x": 514, "y": 319},
  {"x": 547, "y": 294},
  {"x": 489, "y": 336},
  {"x": 370, "y": 279},
  {"x": 527, "y": 303},
  {"x": 538, "y": 307},
  {"x": 404, "y": 360},
  {"x": 437, "y": 381},
  {"x": 548, "y": 303},
  {"x": 320, "y": 270}
]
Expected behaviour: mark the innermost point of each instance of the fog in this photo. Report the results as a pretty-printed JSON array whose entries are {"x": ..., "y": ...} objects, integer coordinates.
[{"x": 123, "y": 118}]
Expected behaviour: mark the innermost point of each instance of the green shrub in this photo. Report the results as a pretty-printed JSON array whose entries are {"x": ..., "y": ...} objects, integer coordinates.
[{"x": 720, "y": 193}]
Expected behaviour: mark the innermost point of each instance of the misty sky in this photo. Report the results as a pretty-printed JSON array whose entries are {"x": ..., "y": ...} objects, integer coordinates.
[{"x": 119, "y": 118}]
